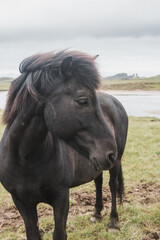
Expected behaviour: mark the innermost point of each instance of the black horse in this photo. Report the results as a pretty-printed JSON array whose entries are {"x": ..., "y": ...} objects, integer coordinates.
[{"x": 60, "y": 133}]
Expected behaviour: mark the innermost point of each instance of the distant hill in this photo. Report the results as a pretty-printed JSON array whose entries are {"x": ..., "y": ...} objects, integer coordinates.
[
  {"x": 6, "y": 79},
  {"x": 122, "y": 76},
  {"x": 118, "y": 76},
  {"x": 157, "y": 76}
]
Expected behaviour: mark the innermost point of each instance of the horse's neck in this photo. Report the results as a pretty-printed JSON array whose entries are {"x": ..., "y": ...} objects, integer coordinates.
[
  {"x": 27, "y": 138},
  {"x": 33, "y": 141}
]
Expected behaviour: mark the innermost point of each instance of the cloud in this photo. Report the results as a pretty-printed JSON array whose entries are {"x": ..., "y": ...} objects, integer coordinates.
[
  {"x": 60, "y": 19},
  {"x": 126, "y": 33},
  {"x": 131, "y": 55}
]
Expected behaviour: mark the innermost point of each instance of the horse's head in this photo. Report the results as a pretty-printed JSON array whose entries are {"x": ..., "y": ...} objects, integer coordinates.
[
  {"x": 73, "y": 113},
  {"x": 61, "y": 87}
]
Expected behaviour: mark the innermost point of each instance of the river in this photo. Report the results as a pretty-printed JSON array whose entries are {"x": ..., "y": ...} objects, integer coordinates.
[{"x": 136, "y": 103}]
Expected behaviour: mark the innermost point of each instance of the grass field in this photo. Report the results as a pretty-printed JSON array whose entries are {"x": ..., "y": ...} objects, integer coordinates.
[
  {"x": 152, "y": 84},
  {"x": 140, "y": 214}
]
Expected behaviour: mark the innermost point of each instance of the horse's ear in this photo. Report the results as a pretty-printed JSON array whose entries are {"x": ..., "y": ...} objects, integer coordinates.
[
  {"x": 66, "y": 67},
  {"x": 95, "y": 57}
]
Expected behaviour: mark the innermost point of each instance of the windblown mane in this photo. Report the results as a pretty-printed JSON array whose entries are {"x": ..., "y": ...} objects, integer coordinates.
[{"x": 40, "y": 70}]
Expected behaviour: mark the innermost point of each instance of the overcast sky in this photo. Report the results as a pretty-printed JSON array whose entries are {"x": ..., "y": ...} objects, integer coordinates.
[{"x": 125, "y": 33}]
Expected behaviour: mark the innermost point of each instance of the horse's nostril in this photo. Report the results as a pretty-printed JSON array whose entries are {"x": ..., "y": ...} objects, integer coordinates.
[{"x": 111, "y": 157}]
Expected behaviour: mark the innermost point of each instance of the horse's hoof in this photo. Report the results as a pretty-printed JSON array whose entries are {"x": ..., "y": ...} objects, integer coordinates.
[
  {"x": 113, "y": 226},
  {"x": 96, "y": 218},
  {"x": 114, "y": 230}
]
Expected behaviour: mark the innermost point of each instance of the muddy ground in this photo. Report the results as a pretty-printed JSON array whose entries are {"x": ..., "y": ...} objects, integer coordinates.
[{"x": 82, "y": 203}]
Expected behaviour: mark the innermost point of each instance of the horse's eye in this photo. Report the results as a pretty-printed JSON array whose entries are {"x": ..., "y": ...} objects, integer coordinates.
[{"x": 82, "y": 101}]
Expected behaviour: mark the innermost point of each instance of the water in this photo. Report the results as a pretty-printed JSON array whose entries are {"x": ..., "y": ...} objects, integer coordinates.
[
  {"x": 140, "y": 104},
  {"x": 3, "y": 98},
  {"x": 137, "y": 103}
]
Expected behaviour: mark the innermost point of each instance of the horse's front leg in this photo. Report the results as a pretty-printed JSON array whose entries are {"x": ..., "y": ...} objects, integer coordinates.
[
  {"x": 113, "y": 183},
  {"x": 96, "y": 217},
  {"x": 29, "y": 215},
  {"x": 61, "y": 207}
]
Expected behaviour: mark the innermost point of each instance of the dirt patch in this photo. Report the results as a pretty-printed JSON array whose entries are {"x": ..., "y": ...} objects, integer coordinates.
[
  {"x": 82, "y": 203},
  {"x": 145, "y": 193},
  {"x": 151, "y": 236},
  {"x": 10, "y": 217}
]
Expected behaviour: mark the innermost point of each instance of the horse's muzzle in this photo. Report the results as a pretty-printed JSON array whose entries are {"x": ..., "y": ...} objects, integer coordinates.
[
  {"x": 110, "y": 160},
  {"x": 96, "y": 164},
  {"x": 105, "y": 164}
]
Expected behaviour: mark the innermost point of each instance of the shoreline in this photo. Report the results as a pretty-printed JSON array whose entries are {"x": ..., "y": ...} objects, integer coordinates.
[
  {"x": 122, "y": 92},
  {"x": 132, "y": 92}
]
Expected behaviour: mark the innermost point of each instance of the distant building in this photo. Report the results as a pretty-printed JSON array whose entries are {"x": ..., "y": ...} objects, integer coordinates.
[{"x": 135, "y": 76}]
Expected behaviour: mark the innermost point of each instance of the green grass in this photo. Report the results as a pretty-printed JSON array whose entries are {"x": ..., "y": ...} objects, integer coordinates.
[
  {"x": 139, "y": 216},
  {"x": 148, "y": 84}
]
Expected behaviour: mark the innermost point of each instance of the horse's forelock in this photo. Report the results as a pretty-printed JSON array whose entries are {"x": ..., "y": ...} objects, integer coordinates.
[{"x": 85, "y": 70}]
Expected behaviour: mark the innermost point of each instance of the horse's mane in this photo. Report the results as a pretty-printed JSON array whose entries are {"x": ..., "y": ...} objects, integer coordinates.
[{"x": 40, "y": 70}]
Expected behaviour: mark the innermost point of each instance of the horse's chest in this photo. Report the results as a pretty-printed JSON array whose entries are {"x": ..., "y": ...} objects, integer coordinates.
[
  {"x": 26, "y": 188},
  {"x": 35, "y": 192},
  {"x": 35, "y": 187}
]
